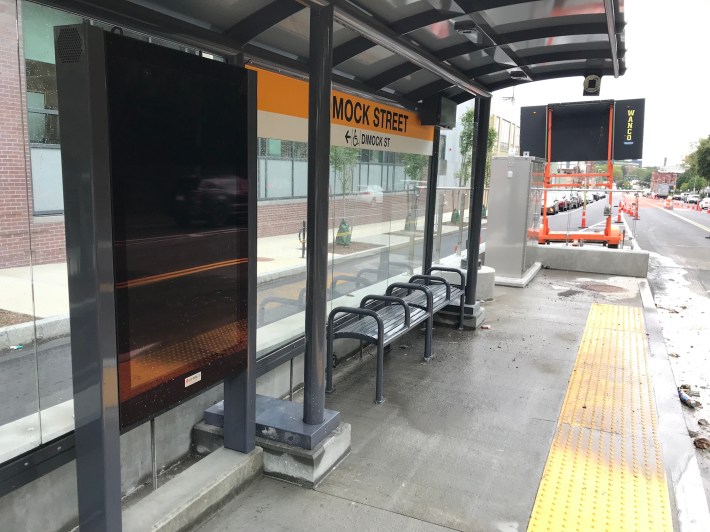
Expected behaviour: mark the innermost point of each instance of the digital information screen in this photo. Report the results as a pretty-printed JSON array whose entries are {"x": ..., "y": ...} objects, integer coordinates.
[{"x": 179, "y": 165}]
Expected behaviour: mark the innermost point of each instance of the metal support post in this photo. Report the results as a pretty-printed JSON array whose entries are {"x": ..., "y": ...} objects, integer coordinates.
[
  {"x": 240, "y": 388},
  {"x": 478, "y": 179},
  {"x": 89, "y": 241},
  {"x": 319, "y": 90},
  {"x": 432, "y": 180}
]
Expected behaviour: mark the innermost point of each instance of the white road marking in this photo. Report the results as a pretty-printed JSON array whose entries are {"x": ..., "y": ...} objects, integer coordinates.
[{"x": 696, "y": 224}]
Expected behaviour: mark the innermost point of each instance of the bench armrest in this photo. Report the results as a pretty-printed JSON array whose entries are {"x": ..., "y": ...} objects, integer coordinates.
[
  {"x": 389, "y": 299},
  {"x": 452, "y": 270},
  {"x": 433, "y": 279},
  {"x": 414, "y": 286},
  {"x": 353, "y": 310}
]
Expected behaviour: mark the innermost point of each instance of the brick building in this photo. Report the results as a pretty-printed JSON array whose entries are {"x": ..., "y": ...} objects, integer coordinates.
[{"x": 665, "y": 175}]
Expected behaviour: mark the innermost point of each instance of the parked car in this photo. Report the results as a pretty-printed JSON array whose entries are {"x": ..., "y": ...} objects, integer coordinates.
[
  {"x": 705, "y": 203},
  {"x": 575, "y": 200},
  {"x": 552, "y": 206},
  {"x": 370, "y": 194},
  {"x": 678, "y": 197},
  {"x": 562, "y": 203},
  {"x": 215, "y": 199},
  {"x": 693, "y": 198}
]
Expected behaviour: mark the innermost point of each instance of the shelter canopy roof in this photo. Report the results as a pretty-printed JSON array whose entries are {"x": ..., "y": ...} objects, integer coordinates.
[{"x": 493, "y": 44}]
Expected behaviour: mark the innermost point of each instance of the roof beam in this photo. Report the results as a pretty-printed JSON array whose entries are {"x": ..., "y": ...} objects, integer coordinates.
[
  {"x": 377, "y": 32},
  {"x": 418, "y": 21},
  {"x": 393, "y": 74},
  {"x": 610, "y": 11},
  {"x": 555, "y": 74},
  {"x": 263, "y": 19}
]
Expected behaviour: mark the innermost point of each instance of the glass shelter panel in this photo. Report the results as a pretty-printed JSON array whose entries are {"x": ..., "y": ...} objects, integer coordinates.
[{"x": 20, "y": 420}]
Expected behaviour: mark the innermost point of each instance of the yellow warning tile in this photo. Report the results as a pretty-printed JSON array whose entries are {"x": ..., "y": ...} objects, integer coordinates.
[{"x": 605, "y": 467}]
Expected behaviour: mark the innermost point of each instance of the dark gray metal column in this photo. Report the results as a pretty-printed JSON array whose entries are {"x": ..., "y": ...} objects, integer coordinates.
[
  {"x": 240, "y": 389},
  {"x": 89, "y": 241},
  {"x": 478, "y": 179},
  {"x": 319, "y": 93},
  {"x": 429, "y": 221}
]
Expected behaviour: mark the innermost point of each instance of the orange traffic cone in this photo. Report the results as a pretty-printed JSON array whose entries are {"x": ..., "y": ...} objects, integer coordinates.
[{"x": 584, "y": 219}]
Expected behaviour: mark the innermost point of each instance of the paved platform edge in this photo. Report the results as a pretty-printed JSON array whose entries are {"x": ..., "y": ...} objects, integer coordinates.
[
  {"x": 686, "y": 487},
  {"x": 188, "y": 499}
]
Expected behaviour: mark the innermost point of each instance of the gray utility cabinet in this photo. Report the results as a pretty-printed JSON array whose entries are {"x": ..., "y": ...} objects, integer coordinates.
[{"x": 514, "y": 204}]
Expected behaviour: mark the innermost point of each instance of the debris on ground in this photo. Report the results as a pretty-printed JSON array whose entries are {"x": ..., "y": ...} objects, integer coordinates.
[
  {"x": 687, "y": 388},
  {"x": 703, "y": 422},
  {"x": 674, "y": 355},
  {"x": 17, "y": 347},
  {"x": 404, "y": 346},
  {"x": 701, "y": 443},
  {"x": 485, "y": 327},
  {"x": 693, "y": 433},
  {"x": 687, "y": 401}
]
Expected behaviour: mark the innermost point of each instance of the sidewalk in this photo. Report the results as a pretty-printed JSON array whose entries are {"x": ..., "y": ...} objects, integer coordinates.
[
  {"x": 277, "y": 255},
  {"x": 465, "y": 441}
]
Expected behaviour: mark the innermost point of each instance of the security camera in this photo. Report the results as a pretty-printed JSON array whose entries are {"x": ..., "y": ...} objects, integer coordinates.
[
  {"x": 592, "y": 85},
  {"x": 465, "y": 27}
]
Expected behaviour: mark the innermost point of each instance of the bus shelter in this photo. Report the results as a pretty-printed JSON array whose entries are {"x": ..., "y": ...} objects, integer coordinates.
[{"x": 334, "y": 76}]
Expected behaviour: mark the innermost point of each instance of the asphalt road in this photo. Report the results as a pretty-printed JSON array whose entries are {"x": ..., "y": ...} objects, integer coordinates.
[
  {"x": 679, "y": 276},
  {"x": 679, "y": 234},
  {"x": 23, "y": 372},
  {"x": 572, "y": 220}
]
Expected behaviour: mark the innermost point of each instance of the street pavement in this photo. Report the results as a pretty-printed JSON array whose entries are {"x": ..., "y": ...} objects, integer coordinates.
[{"x": 679, "y": 276}]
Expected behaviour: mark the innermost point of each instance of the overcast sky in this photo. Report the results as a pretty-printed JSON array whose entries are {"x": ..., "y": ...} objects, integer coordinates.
[{"x": 667, "y": 62}]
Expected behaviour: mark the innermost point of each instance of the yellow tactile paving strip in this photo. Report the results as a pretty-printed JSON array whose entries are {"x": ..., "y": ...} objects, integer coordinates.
[{"x": 605, "y": 467}]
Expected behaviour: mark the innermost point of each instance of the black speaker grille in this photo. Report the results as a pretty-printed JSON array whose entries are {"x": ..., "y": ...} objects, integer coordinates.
[{"x": 69, "y": 45}]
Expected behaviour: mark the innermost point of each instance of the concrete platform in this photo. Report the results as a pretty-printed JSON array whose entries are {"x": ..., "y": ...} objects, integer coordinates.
[
  {"x": 462, "y": 441},
  {"x": 192, "y": 496}
]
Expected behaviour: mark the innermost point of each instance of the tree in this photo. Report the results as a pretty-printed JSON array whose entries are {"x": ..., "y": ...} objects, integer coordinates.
[
  {"x": 466, "y": 147},
  {"x": 343, "y": 161},
  {"x": 415, "y": 166},
  {"x": 698, "y": 175}
]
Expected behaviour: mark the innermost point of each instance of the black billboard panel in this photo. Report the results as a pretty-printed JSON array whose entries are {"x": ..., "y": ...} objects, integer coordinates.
[
  {"x": 628, "y": 129},
  {"x": 179, "y": 166},
  {"x": 580, "y": 131},
  {"x": 533, "y": 134}
]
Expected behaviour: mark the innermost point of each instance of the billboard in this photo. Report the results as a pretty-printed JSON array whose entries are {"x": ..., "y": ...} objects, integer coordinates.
[
  {"x": 173, "y": 139},
  {"x": 628, "y": 128},
  {"x": 580, "y": 130}
]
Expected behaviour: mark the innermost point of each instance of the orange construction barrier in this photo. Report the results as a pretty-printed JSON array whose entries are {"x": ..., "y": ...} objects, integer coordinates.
[{"x": 619, "y": 211}]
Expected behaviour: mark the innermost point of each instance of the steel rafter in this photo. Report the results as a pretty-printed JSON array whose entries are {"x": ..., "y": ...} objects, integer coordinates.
[{"x": 263, "y": 19}]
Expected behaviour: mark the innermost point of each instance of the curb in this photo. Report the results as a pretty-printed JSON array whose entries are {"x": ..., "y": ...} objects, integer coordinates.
[
  {"x": 28, "y": 333},
  {"x": 685, "y": 482}
]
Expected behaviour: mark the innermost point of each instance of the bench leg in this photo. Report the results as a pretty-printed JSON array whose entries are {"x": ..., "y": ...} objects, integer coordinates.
[
  {"x": 329, "y": 361},
  {"x": 461, "y": 309},
  {"x": 380, "y": 370},
  {"x": 428, "y": 337}
]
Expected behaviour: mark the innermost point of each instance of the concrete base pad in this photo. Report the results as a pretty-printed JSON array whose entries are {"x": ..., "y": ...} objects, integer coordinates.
[
  {"x": 306, "y": 467},
  {"x": 282, "y": 421},
  {"x": 594, "y": 259},
  {"x": 473, "y": 316},
  {"x": 519, "y": 282},
  {"x": 192, "y": 496}
]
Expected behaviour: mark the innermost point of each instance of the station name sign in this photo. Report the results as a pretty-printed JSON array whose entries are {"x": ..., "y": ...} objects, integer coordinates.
[{"x": 356, "y": 122}]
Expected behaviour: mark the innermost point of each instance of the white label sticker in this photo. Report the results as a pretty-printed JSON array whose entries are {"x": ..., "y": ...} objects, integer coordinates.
[{"x": 192, "y": 379}]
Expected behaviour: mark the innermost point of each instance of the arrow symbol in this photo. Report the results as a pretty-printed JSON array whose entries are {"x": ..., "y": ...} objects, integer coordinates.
[{"x": 347, "y": 136}]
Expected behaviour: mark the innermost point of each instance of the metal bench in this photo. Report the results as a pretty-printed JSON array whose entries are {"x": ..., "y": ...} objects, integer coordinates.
[
  {"x": 380, "y": 326},
  {"x": 443, "y": 292}
]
